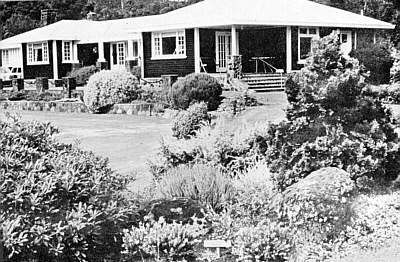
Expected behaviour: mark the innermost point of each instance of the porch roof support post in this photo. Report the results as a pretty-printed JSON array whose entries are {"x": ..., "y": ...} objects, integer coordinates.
[
  {"x": 101, "y": 52},
  {"x": 130, "y": 50},
  {"x": 55, "y": 62},
  {"x": 288, "y": 49},
  {"x": 197, "y": 68},
  {"x": 141, "y": 56},
  {"x": 234, "y": 41},
  {"x": 75, "y": 50}
]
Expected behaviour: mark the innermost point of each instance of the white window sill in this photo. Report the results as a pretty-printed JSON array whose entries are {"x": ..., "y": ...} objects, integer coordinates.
[
  {"x": 70, "y": 61},
  {"x": 301, "y": 62},
  {"x": 38, "y": 63},
  {"x": 168, "y": 57}
]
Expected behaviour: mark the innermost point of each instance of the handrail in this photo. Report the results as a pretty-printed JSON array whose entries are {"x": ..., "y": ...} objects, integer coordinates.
[{"x": 263, "y": 59}]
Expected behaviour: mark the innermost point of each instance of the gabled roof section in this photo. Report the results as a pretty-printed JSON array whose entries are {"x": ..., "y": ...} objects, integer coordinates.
[{"x": 216, "y": 13}]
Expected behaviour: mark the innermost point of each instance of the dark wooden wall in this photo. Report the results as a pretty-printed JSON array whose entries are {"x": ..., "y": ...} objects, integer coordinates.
[
  {"x": 33, "y": 71},
  {"x": 156, "y": 68}
]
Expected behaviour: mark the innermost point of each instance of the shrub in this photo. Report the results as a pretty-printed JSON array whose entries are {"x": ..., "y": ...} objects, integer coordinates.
[
  {"x": 196, "y": 88},
  {"x": 377, "y": 60},
  {"x": 236, "y": 103},
  {"x": 58, "y": 202},
  {"x": 159, "y": 240},
  {"x": 199, "y": 182},
  {"x": 107, "y": 88},
  {"x": 395, "y": 70},
  {"x": 332, "y": 122},
  {"x": 220, "y": 146},
  {"x": 83, "y": 74},
  {"x": 188, "y": 122}
]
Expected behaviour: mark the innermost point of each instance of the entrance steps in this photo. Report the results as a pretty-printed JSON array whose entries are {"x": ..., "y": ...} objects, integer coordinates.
[{"x": 265, "y": 82}]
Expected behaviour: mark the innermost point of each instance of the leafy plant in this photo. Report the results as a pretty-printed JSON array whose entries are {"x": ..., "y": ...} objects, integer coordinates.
[
  {"x": 162, "y": 241},
  {"x": 188, "y": 122},
  {"x": 58, "y": 202},
  {"x": 83, "y": 74},
  {"x": 106, "y": 88},
  {"x": 196, "y": 88}
]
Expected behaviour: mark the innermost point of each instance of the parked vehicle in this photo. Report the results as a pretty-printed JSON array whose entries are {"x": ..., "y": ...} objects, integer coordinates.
[{"x": 7, "y": 73}]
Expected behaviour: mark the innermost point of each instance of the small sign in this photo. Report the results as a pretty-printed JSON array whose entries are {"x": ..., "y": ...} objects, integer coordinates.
[{"x": 217, "y": 244}]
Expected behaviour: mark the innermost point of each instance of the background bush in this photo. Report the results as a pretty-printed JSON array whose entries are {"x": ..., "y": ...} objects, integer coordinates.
[
  {"x": 109, "y": 87},
  {"x": 196, "y": 88},
  {"x": 188, "y": 122},
  {"x": 377, "y": 60},
  {"x": 58, "y": 202},
  {"x": 83, "y": 74}
]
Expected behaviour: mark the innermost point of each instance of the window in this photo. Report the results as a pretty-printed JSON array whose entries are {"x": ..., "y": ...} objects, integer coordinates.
[
  {"x": 38, "y": 53},
  {"x": 169, "y": 45},
  {"x": 67, "y": 51},
  {"x": 5, "y": 57},
  {"x": 306, "y": 34}
]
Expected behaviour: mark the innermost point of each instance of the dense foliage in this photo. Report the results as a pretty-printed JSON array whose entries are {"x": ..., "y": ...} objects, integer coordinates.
[
  {"x": 109, "y": 87},
  {"x": 189, "y": 121},
  {"x": 58, "y": 202},
  {"x": 331, "y": 122},
  {"x": 196, "y": 88},
  {"x": 377, "y": 60},
  {"x": 83, "y": 74}
]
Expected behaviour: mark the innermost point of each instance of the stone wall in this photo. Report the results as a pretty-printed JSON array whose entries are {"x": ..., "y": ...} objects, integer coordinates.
[{"x": 144, "y": 109}]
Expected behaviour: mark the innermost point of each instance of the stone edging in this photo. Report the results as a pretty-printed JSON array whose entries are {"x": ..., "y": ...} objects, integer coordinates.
[{"x": 144, "y": 109}]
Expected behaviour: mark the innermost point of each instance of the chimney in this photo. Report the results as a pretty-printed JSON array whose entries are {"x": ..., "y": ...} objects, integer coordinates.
[{"x": 48, "y": 16}]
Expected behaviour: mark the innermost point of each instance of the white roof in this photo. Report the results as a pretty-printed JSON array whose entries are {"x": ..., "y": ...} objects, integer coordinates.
[
  {"x": 220, "y": 13},
  {"x": 208, "y": 13},
  {"x": 83, "y": 31}
]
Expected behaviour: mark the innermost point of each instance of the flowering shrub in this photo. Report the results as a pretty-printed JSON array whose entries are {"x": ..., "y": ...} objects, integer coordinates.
[
  {"x": 188, "y": 122},
  {"x": 332, "y": 123},
  {"x": 106, "y": 88},
  {"x": 232, "y": 151},
  {"x": 395, "y": 70},
  {"x": 57, "y": 202},
  {"x": 196, "y": 88},
  {"x": 199, "y": 182},
  {"x": 160, "y": 240}
]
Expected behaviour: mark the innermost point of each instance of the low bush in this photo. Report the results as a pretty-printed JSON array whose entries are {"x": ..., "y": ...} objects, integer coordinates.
[
  {"x": 162, "y": 241},
  {"x": 46, "y": 96},
  {"x": 58, "y": 202},
  {"x": 107, "y": 88},
  {"x": 202, "y": 183},
  {"x": 188, "y": 122},
  {"x": 196, "y": 88},
  {"x": 377, "y": 60},
  {"x": 83, "y": 74},
  {"x": 230, "y": 150},
  {"x": 236, "y": 103}
]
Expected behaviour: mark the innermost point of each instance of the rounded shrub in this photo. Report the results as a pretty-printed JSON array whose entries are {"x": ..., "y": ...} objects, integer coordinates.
[
  {"x": 188, "y": 122},
  {"x": 196, "y": 88},
  {"x": 107, "y": 88},
  {"x": 57, "y": 202}
]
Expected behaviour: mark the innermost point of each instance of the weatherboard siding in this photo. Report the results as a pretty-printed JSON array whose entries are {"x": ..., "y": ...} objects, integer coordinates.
[
  {"x": 33, "y": 71},
  {"x": 63, "y": 68},
  {"x": 181, "y": 67}
]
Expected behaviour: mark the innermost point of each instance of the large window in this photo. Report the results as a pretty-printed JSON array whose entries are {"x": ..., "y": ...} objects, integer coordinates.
[
  {"x": 306, "y": 34},
  {"x": 5, "y": 57},
  {"x": 168, "y": 45},
  {"x": 38, "y": 53}
]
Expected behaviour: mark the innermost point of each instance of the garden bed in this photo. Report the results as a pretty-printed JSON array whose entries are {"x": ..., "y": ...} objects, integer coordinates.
[{"x": 139, "y": 108}]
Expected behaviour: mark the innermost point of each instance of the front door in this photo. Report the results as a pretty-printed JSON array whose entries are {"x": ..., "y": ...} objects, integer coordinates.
[
  {"x": 118, "y": 55},
  {"x": 223, "y": 50},
  {"x": 345, "y": 42}
]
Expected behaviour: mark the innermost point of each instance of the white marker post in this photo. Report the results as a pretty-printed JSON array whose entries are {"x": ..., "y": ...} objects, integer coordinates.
[{"x": 218, "y": 244}]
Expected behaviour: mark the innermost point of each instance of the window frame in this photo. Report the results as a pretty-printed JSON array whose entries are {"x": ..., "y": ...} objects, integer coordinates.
[
  {"x": 31, "y": 60},
  {"x": 71, "y": 52},
  {"x": 305, "y": 35},
  {"x": 157, "y": 45}
]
